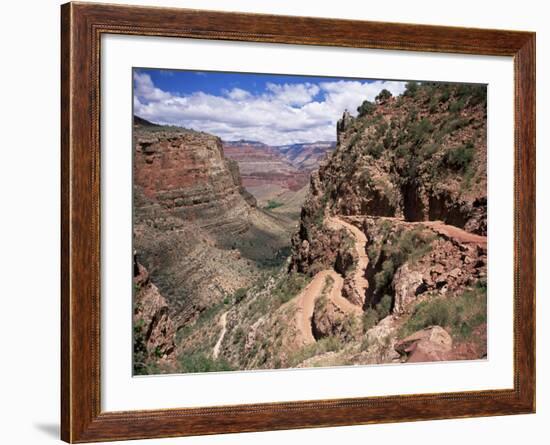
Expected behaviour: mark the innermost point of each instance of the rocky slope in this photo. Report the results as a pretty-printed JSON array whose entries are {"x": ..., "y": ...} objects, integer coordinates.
[
  {"x": 418, "y": 157},
  {"x": 410, "y": 173},
  {"x": 196, "y": 228}
]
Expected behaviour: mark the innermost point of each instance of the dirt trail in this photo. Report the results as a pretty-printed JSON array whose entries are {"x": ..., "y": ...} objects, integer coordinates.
[
  {"x": 223, "y": 323},
  {"x": 456, "y": 233},
  {"x": 305, "y": 302},
  {"x": 360, "y": 283}
]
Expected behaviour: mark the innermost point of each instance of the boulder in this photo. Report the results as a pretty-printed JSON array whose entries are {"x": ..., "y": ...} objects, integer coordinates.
[
  {"x": 407, "y": 285},
  {"x": 427, "y": 345}
]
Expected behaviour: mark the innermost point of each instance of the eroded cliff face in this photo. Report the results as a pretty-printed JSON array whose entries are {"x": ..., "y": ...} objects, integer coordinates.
[
  {"x": 418, "y": 157},
  {"x": 421, "y": 156},
  {"x": 186, "y": 171},
  {"x": 196, "y": 228}
]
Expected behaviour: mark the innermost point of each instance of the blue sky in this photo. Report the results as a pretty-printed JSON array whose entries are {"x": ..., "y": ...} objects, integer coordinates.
[{"x": 274, "y": 109}]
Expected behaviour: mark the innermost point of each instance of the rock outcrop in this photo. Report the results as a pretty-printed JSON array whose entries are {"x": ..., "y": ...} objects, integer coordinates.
[
  {"x": 428, "y": 345},
  {"x": 186, "y": 171},
  {"x": 408, "y": 260},
  {"x": 416, "y": 157},
  {"x": 154, "y": 329},
  {"x": 410, "y": 173}
]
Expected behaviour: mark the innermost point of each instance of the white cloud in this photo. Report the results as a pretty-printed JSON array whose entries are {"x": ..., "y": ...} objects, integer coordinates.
[
  {"x": 284, "y": 114},
  {"x": 293, "y": 94},
  {"x": 145, "y": 89},
  {"x": 238, "y": 94}
]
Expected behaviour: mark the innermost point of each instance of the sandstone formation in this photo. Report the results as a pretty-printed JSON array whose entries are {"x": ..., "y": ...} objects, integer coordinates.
[{"x": 186, "y": 171}]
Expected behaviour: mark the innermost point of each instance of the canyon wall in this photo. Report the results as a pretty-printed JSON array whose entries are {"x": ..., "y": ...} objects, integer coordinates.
[
  {"x": 417, "y": 157},
  {"x": 196, "y": 228}
]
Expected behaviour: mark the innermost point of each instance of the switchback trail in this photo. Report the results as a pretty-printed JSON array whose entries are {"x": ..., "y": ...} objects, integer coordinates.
[
  {"x": 359, "y": 283},
  {"x": 456, "y": 233},
  {"x": 305, "y": 301},
  {"x": 453, "y": 233}
]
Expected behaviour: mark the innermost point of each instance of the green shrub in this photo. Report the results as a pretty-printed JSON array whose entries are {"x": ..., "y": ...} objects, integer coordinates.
[
  {"x": 457, "y": 106},
  {"x": 384, "y": 306},
  {"x": 428, "y": 150},
  {"x": 453, "y": 124},
  {"x": 326, "y": 344},
  {"x": 370, "y": 319},
  {"x": 459, "y": 158},
  {"x": 289, "y": 286},
  {"x": 383, "y": 278},
  {"x": 381, "y": 129},
  {"x": 366, "y": 108},
  {"x": 388, "y": 139},
  {"x": 434, "y": 104},
  {"x": 403, "y": 150},
  {"x": 272, "y": 204},
  {"x": 200, "y": 362},
  {"x": 460, "y": 314},
  {"x": 383, "y": 96},
  {"x": 411, "y": 88},
  {"x": 373, "y": 315},
  {"x": 239, "y": 294},
  {"x": 478, "y": 95},
  {"x": 375, "y": 149},
  {"x": 421, "y": 131},
  {"x": 372, "y": 253}
]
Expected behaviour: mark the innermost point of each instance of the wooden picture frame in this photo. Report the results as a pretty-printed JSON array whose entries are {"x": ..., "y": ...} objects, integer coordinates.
[{"x": 82, "y": 26}]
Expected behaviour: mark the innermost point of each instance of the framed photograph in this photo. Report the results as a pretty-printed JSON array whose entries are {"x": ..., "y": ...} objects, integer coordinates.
[{"x": 275, "y": 222}]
